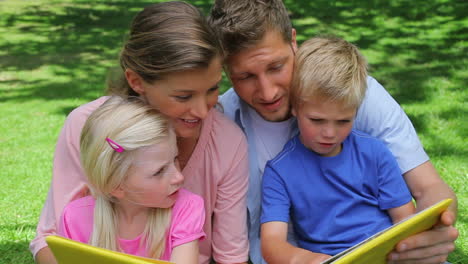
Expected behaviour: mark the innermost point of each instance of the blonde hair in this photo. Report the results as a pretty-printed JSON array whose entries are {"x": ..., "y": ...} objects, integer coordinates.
[
  {"x": 165, "y": 38},
  {"x": 132, "y": 124},
  {"x": 330, "y": 67}
]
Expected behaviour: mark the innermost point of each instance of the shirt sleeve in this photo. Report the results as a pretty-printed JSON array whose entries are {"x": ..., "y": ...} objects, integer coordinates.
[
  {"x": 229, "y": 237},
  {"x": 188, "y": 221},
  {"x": 68, "y": 180},
  {"x": 382, "y": 117},
  {"x": 393, "y": 191},
  {"x": 275, "y": 199}
]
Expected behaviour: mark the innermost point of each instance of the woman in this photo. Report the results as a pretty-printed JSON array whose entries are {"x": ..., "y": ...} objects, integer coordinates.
[{"x": 172, "y": 60}]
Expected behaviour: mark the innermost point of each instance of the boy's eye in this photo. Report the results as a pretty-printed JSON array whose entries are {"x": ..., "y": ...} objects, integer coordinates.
[
  {"x": 276, "y": 67},
  {"x": 316, "y": 120}
]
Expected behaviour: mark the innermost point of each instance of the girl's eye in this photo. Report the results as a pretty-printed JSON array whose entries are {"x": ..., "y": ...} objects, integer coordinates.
[
  {"x": 276, "y": 67},
  {"x": 160, "y": 171},
  {"x": 316, "y": 120}
]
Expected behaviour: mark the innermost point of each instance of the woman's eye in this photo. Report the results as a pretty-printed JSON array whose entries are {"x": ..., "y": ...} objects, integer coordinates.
[
  {"x": 213, "y": 89},
  {"x": 182, "y": 97}
]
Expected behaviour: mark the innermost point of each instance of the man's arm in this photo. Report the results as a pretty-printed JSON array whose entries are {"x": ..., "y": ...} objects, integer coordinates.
[
  {"x": 434, "y": 245},
  {"x": 276, "y": 249}
]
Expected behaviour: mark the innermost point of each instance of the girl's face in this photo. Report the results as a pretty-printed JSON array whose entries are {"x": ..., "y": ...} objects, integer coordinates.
[
  {"x": 153, "y": 179},
  {"x": 185, "y": 97}
]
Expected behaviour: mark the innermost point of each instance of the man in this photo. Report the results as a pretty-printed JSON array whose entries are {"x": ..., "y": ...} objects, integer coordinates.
[{"x": 260, "y": 44}]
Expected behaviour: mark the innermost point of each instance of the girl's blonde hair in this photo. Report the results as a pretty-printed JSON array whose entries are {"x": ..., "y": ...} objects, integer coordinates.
[
  {"x": 132, "y": 124},
  {"x": 329, "y": 67}
]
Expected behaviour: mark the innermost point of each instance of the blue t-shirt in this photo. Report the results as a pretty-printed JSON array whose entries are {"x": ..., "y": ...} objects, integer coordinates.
[{"x": 334, "y": 202}]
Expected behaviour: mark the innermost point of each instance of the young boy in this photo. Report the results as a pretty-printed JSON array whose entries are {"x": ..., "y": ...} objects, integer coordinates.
[{"x": 336, "y": 185}]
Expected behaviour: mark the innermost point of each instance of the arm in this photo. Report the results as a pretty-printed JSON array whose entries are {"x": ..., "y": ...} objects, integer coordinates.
[
  {"x": 276, "y": 249},
  {"x": 434, "y": 245},
  {"x": 68, "y": 181},
  {"x": 399, "y": 213},
  {"x": 382, "y": 117},
  {"x": 186, "y": 253},
  {"x": 230, "y": 241}
]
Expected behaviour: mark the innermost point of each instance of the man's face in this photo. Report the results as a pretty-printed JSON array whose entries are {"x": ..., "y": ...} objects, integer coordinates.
[{"x": 262, "y": 74}]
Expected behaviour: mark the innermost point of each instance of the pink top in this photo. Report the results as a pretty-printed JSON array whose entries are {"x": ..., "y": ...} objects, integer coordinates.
[
  {"x": 187, "y": 220},
  {"x": 217, "y": 171}
]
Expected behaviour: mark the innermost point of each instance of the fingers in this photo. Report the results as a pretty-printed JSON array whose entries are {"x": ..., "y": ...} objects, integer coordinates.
[
  {"x": 431, "y": 260},
  {"x": 433, "y": 237},
  {"x": 447, "y": 218}
]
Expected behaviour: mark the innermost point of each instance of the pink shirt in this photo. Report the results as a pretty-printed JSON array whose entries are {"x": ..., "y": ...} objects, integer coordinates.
[
  {"x": 188, "y": 216},
  {"x": 217, "y": 171}
]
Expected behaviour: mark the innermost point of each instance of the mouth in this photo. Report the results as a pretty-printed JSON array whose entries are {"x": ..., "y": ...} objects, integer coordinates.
[
  {"x": 274, "y": 105},
  {"x": 327, "y": 145},
  {"x": 174, "y": 194},
  {"x": 190, "y": 122}
]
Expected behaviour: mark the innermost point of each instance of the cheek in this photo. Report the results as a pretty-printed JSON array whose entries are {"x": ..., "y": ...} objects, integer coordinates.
[{"x": 212, "y": 99}]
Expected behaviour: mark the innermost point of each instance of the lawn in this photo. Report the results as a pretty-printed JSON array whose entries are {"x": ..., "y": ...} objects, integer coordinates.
[{"x": 55, "y": 55}]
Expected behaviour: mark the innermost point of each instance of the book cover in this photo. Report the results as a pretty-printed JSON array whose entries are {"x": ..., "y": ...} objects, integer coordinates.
[
  {"x": 68, "y": 251},
  {"x": 376, "y": 248}
]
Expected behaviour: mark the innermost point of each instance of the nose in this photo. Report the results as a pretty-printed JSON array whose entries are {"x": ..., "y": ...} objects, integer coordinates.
[
  {"x": 200, "y": 108},
  {"x": 266, "y": 89},
  {"x": 328, "y": 131},
  {"x": 178, "y": 177}
]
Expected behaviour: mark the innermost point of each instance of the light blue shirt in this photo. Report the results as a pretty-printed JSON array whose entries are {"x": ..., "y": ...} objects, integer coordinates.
[{"x": 379, "y": 115}]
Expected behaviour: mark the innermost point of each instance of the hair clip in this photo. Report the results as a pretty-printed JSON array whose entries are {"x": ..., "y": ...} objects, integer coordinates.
[{"x": 114, "y": 145}]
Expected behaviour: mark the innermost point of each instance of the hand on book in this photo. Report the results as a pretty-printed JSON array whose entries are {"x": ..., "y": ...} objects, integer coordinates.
[
  {"x": 432, "y": 246},
  {"x": 308, "y": 257}
]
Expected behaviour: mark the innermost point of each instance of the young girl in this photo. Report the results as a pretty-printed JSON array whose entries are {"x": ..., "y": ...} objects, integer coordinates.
[{"x": 128, "y": 153}]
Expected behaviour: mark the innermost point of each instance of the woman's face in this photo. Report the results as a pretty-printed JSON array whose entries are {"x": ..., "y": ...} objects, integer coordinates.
[{"x": 186, "y": 97}]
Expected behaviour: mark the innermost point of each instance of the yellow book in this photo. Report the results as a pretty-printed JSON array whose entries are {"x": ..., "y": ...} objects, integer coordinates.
[
  {"x": 376, "y": 248},
  {"x": 68, "y": 251}
]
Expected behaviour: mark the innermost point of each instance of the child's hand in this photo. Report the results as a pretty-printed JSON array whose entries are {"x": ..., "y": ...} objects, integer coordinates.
[{"x": 307, "y": 257}]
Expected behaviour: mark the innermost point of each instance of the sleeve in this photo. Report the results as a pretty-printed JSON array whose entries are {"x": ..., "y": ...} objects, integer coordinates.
[
  {"x": 393, "y": 191},
  {"x": 230, "y": 242},
  {"x": 275, "y": 199},
  {"x": 382, "y": 117},
  {"x": 188, "y": 221},
  {"x": 68, "y": 180}
]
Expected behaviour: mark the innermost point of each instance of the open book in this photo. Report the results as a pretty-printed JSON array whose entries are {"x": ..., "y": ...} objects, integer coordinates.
[
  {"x": 376, "y": 248},
  {"x": 68, "y": 251}
]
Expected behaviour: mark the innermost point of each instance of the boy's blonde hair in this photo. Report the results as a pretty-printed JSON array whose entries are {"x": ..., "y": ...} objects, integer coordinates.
[
  {"x": 132, "y": 124},
  {"x": 329, "y": 67}
]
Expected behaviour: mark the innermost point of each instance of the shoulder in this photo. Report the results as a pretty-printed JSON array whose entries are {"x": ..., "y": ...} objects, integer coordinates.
[
  {"x": 365, "y": 142},
  {"x": 225, "y": 130},
  {"x": 188, "y": 207},
  {"x": 286, "y": 155},
  {"x": 186, "y": 198},
  {"x": 80, "y": 206},
  {"x": 80, "y": 114},
  {"x": 230, "y": 103}
]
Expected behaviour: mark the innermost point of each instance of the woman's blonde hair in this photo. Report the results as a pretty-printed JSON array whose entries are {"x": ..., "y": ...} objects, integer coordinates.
[
  {"x": 329, "y": 67},
  {"x": 132, "y": 124}
]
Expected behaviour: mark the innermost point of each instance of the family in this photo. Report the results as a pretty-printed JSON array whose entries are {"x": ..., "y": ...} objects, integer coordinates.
[{"x": 304, "y": 157}]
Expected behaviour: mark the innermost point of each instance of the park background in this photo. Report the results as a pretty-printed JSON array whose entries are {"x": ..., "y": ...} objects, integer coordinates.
[{"x": 56, "y": 55}]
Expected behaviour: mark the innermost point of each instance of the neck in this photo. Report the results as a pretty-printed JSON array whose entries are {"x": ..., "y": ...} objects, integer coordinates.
[
  {"x": 186, "y": 147},
  {"x": 131, "y": 220}
]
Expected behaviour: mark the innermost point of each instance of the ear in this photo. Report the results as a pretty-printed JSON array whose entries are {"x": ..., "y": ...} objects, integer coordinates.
[
  {"x": 293, "y": 41},
  {"x": 135, "y": 81},
  {"x": 118, "y": 192},
  {"x": 293, "y": 111}
]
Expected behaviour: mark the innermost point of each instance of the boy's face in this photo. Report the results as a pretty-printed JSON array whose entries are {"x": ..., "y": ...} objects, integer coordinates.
[
  {"x": 324, "y": 125},
  {"x": 261, "y": 75}
]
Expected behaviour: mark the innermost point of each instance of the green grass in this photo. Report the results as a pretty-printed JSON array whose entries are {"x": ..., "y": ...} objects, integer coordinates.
[{"x": 55, "y": 55}]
